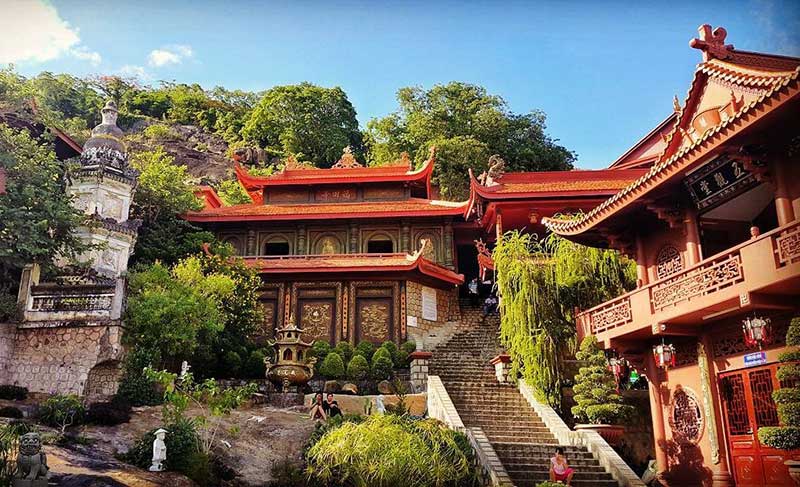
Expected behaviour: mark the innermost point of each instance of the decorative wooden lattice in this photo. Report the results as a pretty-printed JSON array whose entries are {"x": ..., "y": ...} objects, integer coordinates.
[
  {"x": 612, "y": 316},
  {"x": 686, "y": 417},
  {"x": 668, "y": 261},
  {"x": 788, "y": 246},
  {"x": 735, "y": 405},
  {"x": 763, "y": 405},
  {"x": 699, "y": 282}
]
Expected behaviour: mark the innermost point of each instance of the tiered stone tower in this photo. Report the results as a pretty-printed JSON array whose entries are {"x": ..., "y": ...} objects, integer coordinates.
[
  {"x": 103, "y": 189},
  {"x": 68, "y": 336}
]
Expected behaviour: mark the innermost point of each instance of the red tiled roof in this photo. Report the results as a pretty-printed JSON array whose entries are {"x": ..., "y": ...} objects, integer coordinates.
[
  {"x": 551, "y": 183},
  {"x": 364, "y": 209},
  {"x": 395, "y": 262}
]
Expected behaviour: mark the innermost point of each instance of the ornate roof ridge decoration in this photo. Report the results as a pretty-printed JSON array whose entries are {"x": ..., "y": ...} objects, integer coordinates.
[
  {"x": 712, "y": 43},
  {"x": 292, "y": 164},
  {"x": 347, "y": 161},
  {"x": 778, "y": 93}
]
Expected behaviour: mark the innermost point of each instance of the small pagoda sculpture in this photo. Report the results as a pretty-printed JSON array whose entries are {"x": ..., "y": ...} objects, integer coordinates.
[{"x": 293, "y": 365}]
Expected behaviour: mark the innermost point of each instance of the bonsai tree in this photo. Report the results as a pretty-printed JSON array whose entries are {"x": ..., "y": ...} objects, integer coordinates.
[
  {"x": 786, "y": 437},
  {"x": 597, "y": 401}
]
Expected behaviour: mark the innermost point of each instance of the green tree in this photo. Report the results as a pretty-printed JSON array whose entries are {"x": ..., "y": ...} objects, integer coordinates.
[
  {"x": 37, "y": 220},
  {"x": 596, "y": 398},
  {"x": 232, "y": 193},
  {"x": 787, "y": 436},
  {"x": 541, "y": 282},
  {"x": 468, "y": 124},
  {"x": 308, "y": 121}
]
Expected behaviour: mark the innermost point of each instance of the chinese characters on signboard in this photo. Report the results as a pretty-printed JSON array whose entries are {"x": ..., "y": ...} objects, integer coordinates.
[{"x": 718, "y": 181}]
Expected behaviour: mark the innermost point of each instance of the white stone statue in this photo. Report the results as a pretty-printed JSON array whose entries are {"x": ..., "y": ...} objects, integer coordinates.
[
  {"x": 185, "y": 368},
  {"x": 379, "y": 404},
  {"x": 159, "y": 451}
]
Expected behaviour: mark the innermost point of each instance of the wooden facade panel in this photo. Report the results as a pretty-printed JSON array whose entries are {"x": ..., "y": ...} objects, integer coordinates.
[
  {"x": 317, "y": 318},
  {"x": 374, "y": 319}
]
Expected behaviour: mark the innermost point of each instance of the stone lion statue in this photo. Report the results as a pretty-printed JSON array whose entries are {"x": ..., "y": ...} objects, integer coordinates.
[{"x": 31, "y": 462}]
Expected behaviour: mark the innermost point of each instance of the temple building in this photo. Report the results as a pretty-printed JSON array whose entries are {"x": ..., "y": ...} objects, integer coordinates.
[{"x": 713, "y": 226}]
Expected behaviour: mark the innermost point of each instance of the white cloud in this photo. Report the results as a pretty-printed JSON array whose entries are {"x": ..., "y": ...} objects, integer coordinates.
[
  {"x": 174, "y": 54},
  {"x": 132, "y": 71},
  {"x": 33, "y": 31},
  {"x": 85, "y": 54}
]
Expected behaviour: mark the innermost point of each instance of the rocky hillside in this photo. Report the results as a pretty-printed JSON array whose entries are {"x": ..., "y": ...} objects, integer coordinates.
[{"x": 203, "y": 153}]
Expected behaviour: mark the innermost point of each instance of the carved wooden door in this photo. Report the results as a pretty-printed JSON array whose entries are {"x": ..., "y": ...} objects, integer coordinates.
[
  {"x": 748, "y": 405},
  {"x": 374, "y": 320},
  {"x": 317, "y": 318}
]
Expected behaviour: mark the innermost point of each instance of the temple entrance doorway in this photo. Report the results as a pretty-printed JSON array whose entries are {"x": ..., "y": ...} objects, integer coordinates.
[
  {"x": 467, "y": 262},
  {"x": 748, "y": 405}
]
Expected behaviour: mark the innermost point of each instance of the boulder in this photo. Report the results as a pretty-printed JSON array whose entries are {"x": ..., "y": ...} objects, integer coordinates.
[
  {"x": 350, "y": 388},
  {"x": 385, "y": 387},
  {"x": 331, "y": 386}
]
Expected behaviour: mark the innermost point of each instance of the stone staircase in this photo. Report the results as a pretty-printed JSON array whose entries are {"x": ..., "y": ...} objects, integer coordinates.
[{"x": 519, "y": 437}]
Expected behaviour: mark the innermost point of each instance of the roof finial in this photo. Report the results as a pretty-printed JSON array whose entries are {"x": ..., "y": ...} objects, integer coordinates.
[
  {"x": 712, "y": 43},
  {"x": 348, "y": 160},
  {"x": 676, "y": 105}
]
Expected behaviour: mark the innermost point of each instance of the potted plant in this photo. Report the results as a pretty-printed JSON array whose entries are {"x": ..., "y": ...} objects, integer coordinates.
[
  {"x": 787, "y": 437},
  {"x": 598, "y": 405}
]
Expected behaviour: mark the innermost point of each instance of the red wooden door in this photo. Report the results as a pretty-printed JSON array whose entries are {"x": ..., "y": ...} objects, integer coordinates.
[{"x": 748, "y": 405}]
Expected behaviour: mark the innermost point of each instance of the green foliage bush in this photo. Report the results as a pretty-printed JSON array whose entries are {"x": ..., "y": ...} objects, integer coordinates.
[
  {"x": 62, "y": 411},
  {"x": 786, "y": 437},
  {"x": 109, "y": 413},
  {"x": 595, "y": 391},
  {"x": 358, "y": 368},
  {"x": 13, "y": 393},
  {"x": 231, "y": 363},
  {"x": 158, "y": 132},
  {"x": 406, "y": 349},
  {"x": 547, "y": 483},
  {"x": 382, "y": 367},
  {"x": 391, "y": 451},
  {"x": 333, "y": 366},
  {"x": 182, "y": 441},
  {"x": 345, "y": 350},
  {"x": 393, "y": 351},
  {"x": 254, "y": 367},
  {"x": 789, "y": 356},
  {"x": 9, "y": 446},
  {"x": 382, "y": 352},
  {"x": 365, "y": 349},
  {"x": 134, "y": 386}
]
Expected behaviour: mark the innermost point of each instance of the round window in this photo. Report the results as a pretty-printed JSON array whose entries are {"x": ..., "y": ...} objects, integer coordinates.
[{"x": 686, "y": 417}]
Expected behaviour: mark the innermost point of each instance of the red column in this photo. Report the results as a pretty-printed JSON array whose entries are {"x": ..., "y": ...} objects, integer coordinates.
[
  {"x": 783, "y": 200},
  {"x": 692, "y": 238},
  {"x": 641, "y": 262},
  {"x": 499, "y": 225},
  {"x": 657, "y": 412},
  {"x": 721, "y": 475}
]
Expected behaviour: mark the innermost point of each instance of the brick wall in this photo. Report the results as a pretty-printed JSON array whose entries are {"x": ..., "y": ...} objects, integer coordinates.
[
  {"x": 61, "y": 359},
  {"x": 446, "y": 304}
]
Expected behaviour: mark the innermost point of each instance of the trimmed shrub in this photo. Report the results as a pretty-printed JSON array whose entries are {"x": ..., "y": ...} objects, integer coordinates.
[
  {"x": 345, "y": 350},
  {"x": 333, "y": 366},
  {"x": 381, "y": 367},
  {"x": 61, "y": 411},
  {"x": 547, "y": 483},
  {"x": 365, "y": 349},
  {"x": 320, "y": 349},
  {"x": 13, "y": 393},
  {"x": 595, "y": 389},
  {"x": 786, "y": 437},
  {"x": 392, "y": 348},
  {"x": 406, "y": 349},
  {"x": 789, "y": 356},
  {"x": 10, "y": 412},
  {"x": 358, "y": 368},
  {"x": 382, "y": 352},
  {"x": 109, "y": 413}
]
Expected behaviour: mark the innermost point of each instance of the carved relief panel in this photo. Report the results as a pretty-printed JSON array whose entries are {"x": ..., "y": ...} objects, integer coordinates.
[
  {"x": 374, "y": 321},
  {"x": 432, "y": 252},
  {"x": 668, "y": 261},
  {"x": 318, "y": 309},
  {"x": 328, "y": 242}
]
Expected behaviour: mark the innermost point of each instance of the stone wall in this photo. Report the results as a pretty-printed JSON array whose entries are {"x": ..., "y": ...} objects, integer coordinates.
[
  {"x": 62, "y": 359},
  {"x": 448, "y": 311}
]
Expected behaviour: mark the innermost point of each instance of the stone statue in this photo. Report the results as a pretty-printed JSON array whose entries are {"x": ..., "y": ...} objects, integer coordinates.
[
  {"x": 159, "y": 451},
  {"x": 185, "y": 368},
  {"x": 31, "y": 462},
  {"x": 379, "y": 404},
  {"x": 497, "y": 167}
]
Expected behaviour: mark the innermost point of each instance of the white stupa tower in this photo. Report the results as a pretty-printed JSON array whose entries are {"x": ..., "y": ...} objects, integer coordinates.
[{"x": 103, "y": 188}]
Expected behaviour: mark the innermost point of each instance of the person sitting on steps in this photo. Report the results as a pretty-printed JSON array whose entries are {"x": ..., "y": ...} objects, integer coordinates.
[{"x": 560, "y": 470}]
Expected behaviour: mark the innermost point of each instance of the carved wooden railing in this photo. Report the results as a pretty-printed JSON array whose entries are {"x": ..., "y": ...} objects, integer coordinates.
[
  {"x": 707, "y": 277},
  {"x": 612, "y": 314},
  {"x": 72, "y": 302},
  {"x": 786, "y": 245}
]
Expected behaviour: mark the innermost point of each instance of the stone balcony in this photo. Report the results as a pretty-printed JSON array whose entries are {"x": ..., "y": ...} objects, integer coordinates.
[{"x": 761, "y": 273}]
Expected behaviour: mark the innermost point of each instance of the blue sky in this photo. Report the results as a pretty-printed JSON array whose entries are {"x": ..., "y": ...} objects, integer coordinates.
[{"x": 604, "y": 72}]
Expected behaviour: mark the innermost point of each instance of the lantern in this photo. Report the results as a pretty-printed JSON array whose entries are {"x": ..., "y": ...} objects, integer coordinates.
[
  {"x": 756, "y": 331},
  {"x": 664, "y": 355}
]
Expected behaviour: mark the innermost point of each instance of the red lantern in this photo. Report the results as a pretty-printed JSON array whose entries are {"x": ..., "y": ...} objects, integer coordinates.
[
  {"x": 756, "y": 332},
  {"x": 664, "y": 355}
]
